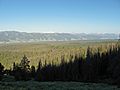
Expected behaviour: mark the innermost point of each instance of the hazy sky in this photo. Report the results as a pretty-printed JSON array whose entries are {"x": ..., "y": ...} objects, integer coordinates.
[{"x": 78, "y": 16}]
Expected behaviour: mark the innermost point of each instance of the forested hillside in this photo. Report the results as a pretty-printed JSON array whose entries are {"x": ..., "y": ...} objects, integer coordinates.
[{"x": 96, "y": 66}]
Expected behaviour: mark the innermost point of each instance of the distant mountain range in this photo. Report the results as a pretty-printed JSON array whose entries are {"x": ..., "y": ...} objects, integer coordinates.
[{"x": 14, "y": 36}]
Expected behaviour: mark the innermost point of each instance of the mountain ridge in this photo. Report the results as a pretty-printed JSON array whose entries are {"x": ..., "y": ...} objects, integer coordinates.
[{"x": 15, "y": 36}]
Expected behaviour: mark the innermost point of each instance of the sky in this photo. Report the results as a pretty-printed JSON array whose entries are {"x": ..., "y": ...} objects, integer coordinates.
[{"x": 73, "y": 16}]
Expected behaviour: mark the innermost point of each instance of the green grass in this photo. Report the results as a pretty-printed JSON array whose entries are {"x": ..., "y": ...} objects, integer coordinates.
[{"x": 32, "y": 85}]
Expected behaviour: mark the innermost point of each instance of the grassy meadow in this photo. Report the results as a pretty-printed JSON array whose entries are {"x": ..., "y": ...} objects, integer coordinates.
[{"x": 49, "y": 51}]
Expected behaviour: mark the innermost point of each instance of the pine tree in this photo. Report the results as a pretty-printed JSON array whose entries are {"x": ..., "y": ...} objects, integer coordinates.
[
  {"x": 1, "y": 71},
  {"x": 32, "y": 71},
  {"x": 39, "y": 72},
  {"x": 24, "y": 64},
  {"x": 22, "y": 71},
  {"x": 88, "y": 55}
]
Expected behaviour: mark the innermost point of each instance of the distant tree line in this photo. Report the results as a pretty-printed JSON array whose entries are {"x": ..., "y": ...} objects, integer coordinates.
[{"x": 97, "y": 67}]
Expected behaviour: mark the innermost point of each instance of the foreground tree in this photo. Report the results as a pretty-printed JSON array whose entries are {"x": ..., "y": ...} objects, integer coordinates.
[
  {"x": 1, "y": 71},
  {"x": 22, "y": 71},
  {"x": 38, "y": 75}
]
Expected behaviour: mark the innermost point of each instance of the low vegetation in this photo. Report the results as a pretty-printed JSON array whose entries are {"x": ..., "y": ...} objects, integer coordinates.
[{"x": 32, "y": 85}]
